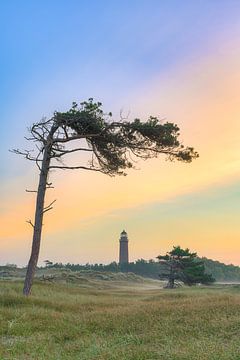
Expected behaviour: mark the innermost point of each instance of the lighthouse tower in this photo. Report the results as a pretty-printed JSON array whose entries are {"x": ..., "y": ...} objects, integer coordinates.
[{"x": 123, "y": 248}]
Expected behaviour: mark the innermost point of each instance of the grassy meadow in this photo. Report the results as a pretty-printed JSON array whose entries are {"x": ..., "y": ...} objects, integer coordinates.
[{"x": 127, "y": 320}]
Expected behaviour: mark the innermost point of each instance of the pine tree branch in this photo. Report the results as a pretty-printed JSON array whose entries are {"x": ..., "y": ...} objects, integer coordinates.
[
  {"x": 74, "y": 167},
  {"x": 74, "y": 137},
  {"x": 64, "y": 152}
]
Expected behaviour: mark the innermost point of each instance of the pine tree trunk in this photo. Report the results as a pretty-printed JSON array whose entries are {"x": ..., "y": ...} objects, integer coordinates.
[
  {"x": 171, "y": 278},
  {"x": 38, "y": 221},
  {"x": 170, "y": 284}
]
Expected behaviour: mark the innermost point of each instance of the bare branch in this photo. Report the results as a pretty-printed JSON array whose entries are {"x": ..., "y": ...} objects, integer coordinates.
[
  {"x": 25, "y": 153},
  {"x": 70, "y": 151},
  {"x": 64, "y": 152},
  {"x": 65, "y": 132},
  {"x": 49, "y": 207},
  {"x": 36, "y": 134},
  {"x": 30, "y": 222},
  {"x": 37, "y": 159},
  {"x": 45, "y": 210},
  {"x": 49, "y": 186},
  {"x": 29, "y": 138},
  {"x": 31, "y": 191},
  {"x": 74, "y": 167},
  {"x": 50, "y": 204},
  {"x": 74, "y": 137}
]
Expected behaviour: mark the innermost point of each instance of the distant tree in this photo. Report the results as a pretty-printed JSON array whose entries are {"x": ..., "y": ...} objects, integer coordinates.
[
  {"x": 48, "y": 263},
  {"x": 221, "y": 271},
  {"x": 11, "y": 266},
  {"x": 112, "y": 146},
  {"x": 180, "y": 264}
]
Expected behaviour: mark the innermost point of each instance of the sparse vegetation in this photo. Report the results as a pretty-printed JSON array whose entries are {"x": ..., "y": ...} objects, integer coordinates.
[
  {"x": 132, "y": 322},
  {"x": 150, "y": 268}
]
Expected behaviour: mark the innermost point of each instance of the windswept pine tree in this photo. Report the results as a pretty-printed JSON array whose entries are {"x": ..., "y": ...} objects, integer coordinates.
[
  {"x": 183, "y": 265},
  {"x": 113, "y": 147}
]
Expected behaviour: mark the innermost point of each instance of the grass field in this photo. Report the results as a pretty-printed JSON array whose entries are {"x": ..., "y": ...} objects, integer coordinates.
[{"x": 121, "y": 321}]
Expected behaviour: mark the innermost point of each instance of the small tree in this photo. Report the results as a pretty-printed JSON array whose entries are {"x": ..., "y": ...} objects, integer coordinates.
[
  {"x": 48, "y": 263},
  {"x": 112, "y": 146},
  {"x": 182, "y": 265}
]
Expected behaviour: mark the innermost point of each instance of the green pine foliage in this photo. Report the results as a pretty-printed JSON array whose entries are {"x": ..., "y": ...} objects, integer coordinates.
[
  {"x": 112, "y": 142},
  {"x": 183, "y": 265}
]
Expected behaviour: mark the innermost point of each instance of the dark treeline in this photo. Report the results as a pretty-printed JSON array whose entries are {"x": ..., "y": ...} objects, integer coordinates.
[
  {"x": 151, "y": 268},
  {"x": 221, "y": 271},
  {"x": 140, "y": 267}
]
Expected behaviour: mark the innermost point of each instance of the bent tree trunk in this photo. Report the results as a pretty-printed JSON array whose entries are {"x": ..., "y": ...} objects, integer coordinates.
[{"x": 37, "y": 226}]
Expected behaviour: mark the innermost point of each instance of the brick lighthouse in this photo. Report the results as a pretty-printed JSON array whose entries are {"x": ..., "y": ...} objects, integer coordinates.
[{"x": 123, "y": 248}]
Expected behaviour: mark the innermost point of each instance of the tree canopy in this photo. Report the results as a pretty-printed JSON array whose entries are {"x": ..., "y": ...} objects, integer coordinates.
[
  {"x": 112, "y": 144},
  {"x": 183, "y": 265}
]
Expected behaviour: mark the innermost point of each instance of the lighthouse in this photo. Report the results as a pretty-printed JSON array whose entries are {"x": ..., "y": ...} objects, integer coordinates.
[{"x": 123, "y": 248}]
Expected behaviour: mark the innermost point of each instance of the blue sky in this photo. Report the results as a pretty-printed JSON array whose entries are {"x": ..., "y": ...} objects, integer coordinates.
[
  {"x": 128, "y": 41},
  {"x": 167, "y": 58},
  {"x": 54, "y": 52}
]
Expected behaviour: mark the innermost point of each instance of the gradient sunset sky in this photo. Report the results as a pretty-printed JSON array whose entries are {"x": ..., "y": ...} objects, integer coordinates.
[{"x": 178, "y": 60}]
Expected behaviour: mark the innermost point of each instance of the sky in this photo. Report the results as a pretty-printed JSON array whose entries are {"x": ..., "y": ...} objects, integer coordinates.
[{"x": 175, "y": 60}]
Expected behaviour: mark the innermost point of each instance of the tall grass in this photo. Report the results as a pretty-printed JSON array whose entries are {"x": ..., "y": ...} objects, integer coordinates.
[{"x": 64, "y": 321}]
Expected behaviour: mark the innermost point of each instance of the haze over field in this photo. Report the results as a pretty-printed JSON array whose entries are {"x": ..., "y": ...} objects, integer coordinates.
[{"x": 147, "y": 58}]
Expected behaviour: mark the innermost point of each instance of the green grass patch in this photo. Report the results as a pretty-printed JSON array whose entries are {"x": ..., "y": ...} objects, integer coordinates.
[{"x": 66, "y": 321}]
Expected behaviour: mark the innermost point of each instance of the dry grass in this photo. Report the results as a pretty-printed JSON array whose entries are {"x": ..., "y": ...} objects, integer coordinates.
[{"x": 65, "y": 321}]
